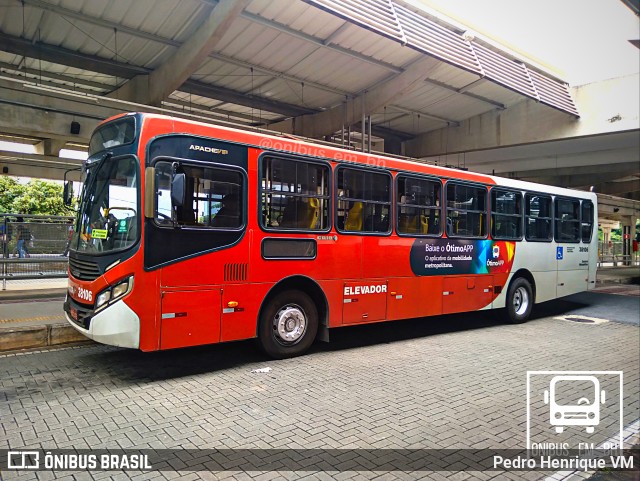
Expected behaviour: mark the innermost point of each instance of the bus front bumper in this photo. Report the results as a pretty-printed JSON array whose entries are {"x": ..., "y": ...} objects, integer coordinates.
[{"x": 115, "y": 325}]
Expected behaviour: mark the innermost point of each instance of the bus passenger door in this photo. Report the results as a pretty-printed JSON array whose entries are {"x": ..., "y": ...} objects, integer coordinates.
[
  {"x": 364, "y": 301},
  {"x": 190, "y": 318}
]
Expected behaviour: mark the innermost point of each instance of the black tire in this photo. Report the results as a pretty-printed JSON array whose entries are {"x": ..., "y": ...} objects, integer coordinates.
[
  {"x": 288, "y": 325},
  {"x": 519, "y": 301}
]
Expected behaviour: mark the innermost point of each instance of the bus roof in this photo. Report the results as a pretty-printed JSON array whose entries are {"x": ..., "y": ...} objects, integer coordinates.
[{"x": 284, "y": 143}]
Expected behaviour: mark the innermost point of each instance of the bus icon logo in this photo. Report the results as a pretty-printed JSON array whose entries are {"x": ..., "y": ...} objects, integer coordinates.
[
  {"x": 496, "y": 252},
  {"x": 566, "y": 408}
]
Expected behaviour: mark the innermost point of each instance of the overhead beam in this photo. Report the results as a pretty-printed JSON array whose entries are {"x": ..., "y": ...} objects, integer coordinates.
[
  {"x": 607, "y": 106},
  {"x": 62, "y": 56},
  {"x": 331, "y": 120},
  {"x": 319, "y": 42},
  {"x": 39, "y": 166},
  {"x": 572, "y": 181},
  {"x": 101, "y": 22},
  {"x": 619, "y": 188},
  {"x": 83, "y": 84},
  {"x": 185, "y": 60},
  {"x": 618, "y": 169},
  {"x": 239, "y": 98},
  {"x": 465, "y": 92}
]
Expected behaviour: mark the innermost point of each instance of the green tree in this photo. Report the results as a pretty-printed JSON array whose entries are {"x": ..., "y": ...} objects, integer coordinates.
[
  {"x": 10, "y": 189},
  {"x": 39, "y": 197}
]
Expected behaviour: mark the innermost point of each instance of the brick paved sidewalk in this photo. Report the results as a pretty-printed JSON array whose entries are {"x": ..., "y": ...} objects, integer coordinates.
[{"x": 447, "y": 382}]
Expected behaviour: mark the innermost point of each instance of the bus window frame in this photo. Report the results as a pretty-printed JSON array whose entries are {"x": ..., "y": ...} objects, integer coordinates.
[
  {"x": 390, "y": 203},
  {"x": 295, "y": 158},
  {"x": 592, "y": 220},
  {"x": 204, "y": 164},
  {"x": 579, "y": 220},
  {"x": 454, "y": 181},
  {"x": 396, "y": 189},
  {"x": 524, "y": 206},
  {"x": 521, "y": 215},
  {"x": 122, "y": 119}
]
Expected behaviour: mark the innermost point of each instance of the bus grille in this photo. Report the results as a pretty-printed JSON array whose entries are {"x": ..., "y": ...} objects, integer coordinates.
[
  {"x": 84, "y": 270},
  {"x": 235, "y": 272}
]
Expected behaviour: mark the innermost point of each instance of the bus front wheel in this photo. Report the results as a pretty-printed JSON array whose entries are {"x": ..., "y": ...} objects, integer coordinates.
[
  {"x": 519, "y": 301},
  {"x": 288, "y": 325}
]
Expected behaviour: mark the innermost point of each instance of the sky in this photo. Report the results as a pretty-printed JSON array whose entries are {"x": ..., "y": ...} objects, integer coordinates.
[{"x": 581, "y": 41}]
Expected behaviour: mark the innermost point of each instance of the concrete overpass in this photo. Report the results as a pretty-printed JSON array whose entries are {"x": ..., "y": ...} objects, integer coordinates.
[{"x": 394, "y": 79}]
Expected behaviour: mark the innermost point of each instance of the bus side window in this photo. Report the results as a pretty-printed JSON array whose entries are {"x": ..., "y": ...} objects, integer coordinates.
[
  {"x": 418, "y": 206},
  {"x": 506, "y": 214},
  {"x": 364, "y": 201},
  {"x": 466, "y": 210},
  {"x": 567, "y": 216},
  {"x": 586, "y": 218},
  {"x": 214, "y": 197},
  {"x": 294, "y": 194},
  {"x": 537, "y": 217}
]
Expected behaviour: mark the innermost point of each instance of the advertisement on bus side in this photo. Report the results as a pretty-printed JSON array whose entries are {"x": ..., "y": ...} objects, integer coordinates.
[{"x": 437, "y": 257}]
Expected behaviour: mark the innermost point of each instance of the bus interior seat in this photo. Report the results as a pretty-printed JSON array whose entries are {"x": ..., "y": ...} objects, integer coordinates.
[
  {"x": 353, "y": 221},
  {"x": 424, "y": 224},
  {"x": 312, "y": 212},
  {"x": 300, "y": 214},
  {"x": 406, "y": 224}
]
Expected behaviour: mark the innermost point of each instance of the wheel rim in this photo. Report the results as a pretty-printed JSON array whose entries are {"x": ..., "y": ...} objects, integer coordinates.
[
  {"x": 289, "y": 324},
  {"x": 520, "y": 301}
]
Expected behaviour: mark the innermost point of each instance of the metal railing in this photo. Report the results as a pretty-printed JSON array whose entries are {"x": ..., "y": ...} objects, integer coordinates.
[
  {"x": 613, "y": 253},
  {"x": 34, "y": 247}
]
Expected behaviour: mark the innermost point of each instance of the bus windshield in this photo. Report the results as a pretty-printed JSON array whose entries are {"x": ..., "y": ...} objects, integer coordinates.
[{"x": 108, "y": 215}]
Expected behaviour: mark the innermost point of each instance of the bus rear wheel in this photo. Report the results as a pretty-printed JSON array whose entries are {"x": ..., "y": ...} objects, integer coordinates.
[
  {"x": 519, "y": 301},
  {"x": 288, "y": 325}
]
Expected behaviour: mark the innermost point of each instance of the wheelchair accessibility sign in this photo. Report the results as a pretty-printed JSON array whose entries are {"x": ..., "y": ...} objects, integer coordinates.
[{"x": 559, "y": 253}]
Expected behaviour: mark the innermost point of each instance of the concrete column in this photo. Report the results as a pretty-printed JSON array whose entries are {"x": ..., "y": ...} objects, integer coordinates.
[
  {"x": 628, "y": 232},
  {"x": 50, "y": 147}
]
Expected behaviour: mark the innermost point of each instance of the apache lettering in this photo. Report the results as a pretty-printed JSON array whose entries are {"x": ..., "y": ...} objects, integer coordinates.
[
  {"x": 211, "y": 150},
  {"x": 357, "y": 290}
]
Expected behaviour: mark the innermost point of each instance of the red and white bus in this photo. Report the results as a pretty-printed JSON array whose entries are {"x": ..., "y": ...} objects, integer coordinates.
[{"x": 189, "y": 234}]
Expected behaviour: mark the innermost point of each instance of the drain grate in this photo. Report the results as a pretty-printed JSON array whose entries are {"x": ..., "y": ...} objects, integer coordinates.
[
  {"x": 582, "y": 319},
  {"x": 579, "y": 319}
]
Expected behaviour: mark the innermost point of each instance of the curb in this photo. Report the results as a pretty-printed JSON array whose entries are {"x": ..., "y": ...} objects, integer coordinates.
[
  {"x": 30, "y": 337},
  {"x": 32, "y": 294}
]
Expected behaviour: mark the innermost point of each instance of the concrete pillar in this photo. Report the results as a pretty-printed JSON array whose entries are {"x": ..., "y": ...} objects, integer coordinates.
[
  {"x": 50, "y": 147},
  {"x": 628, "y": 232}
]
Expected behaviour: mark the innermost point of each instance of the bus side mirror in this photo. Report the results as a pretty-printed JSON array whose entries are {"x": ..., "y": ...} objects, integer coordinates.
[
  {"x": 67, "y": 193},
  {"x": 178, "y": 182}
]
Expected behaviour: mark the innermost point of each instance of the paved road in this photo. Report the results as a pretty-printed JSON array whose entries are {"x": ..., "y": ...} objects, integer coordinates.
[{"x": 456, "y": 382}]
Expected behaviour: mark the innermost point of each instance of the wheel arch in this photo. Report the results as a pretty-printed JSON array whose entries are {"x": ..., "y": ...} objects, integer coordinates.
[
  {"x": 525, "y": 274},
  {"x": 312, "y": 289}
]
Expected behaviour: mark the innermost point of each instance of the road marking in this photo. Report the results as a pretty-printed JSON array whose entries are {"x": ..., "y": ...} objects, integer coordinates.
[
  {"x": 28, "y": 319},
  {"x": 629, "y": 434}
]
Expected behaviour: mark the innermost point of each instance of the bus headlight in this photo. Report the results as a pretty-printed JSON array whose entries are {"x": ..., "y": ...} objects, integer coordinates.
[
  {"x": 121, "y": 289},
  {"x": 103, "y": 298},
  {"x": 112, "y": 294}
]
